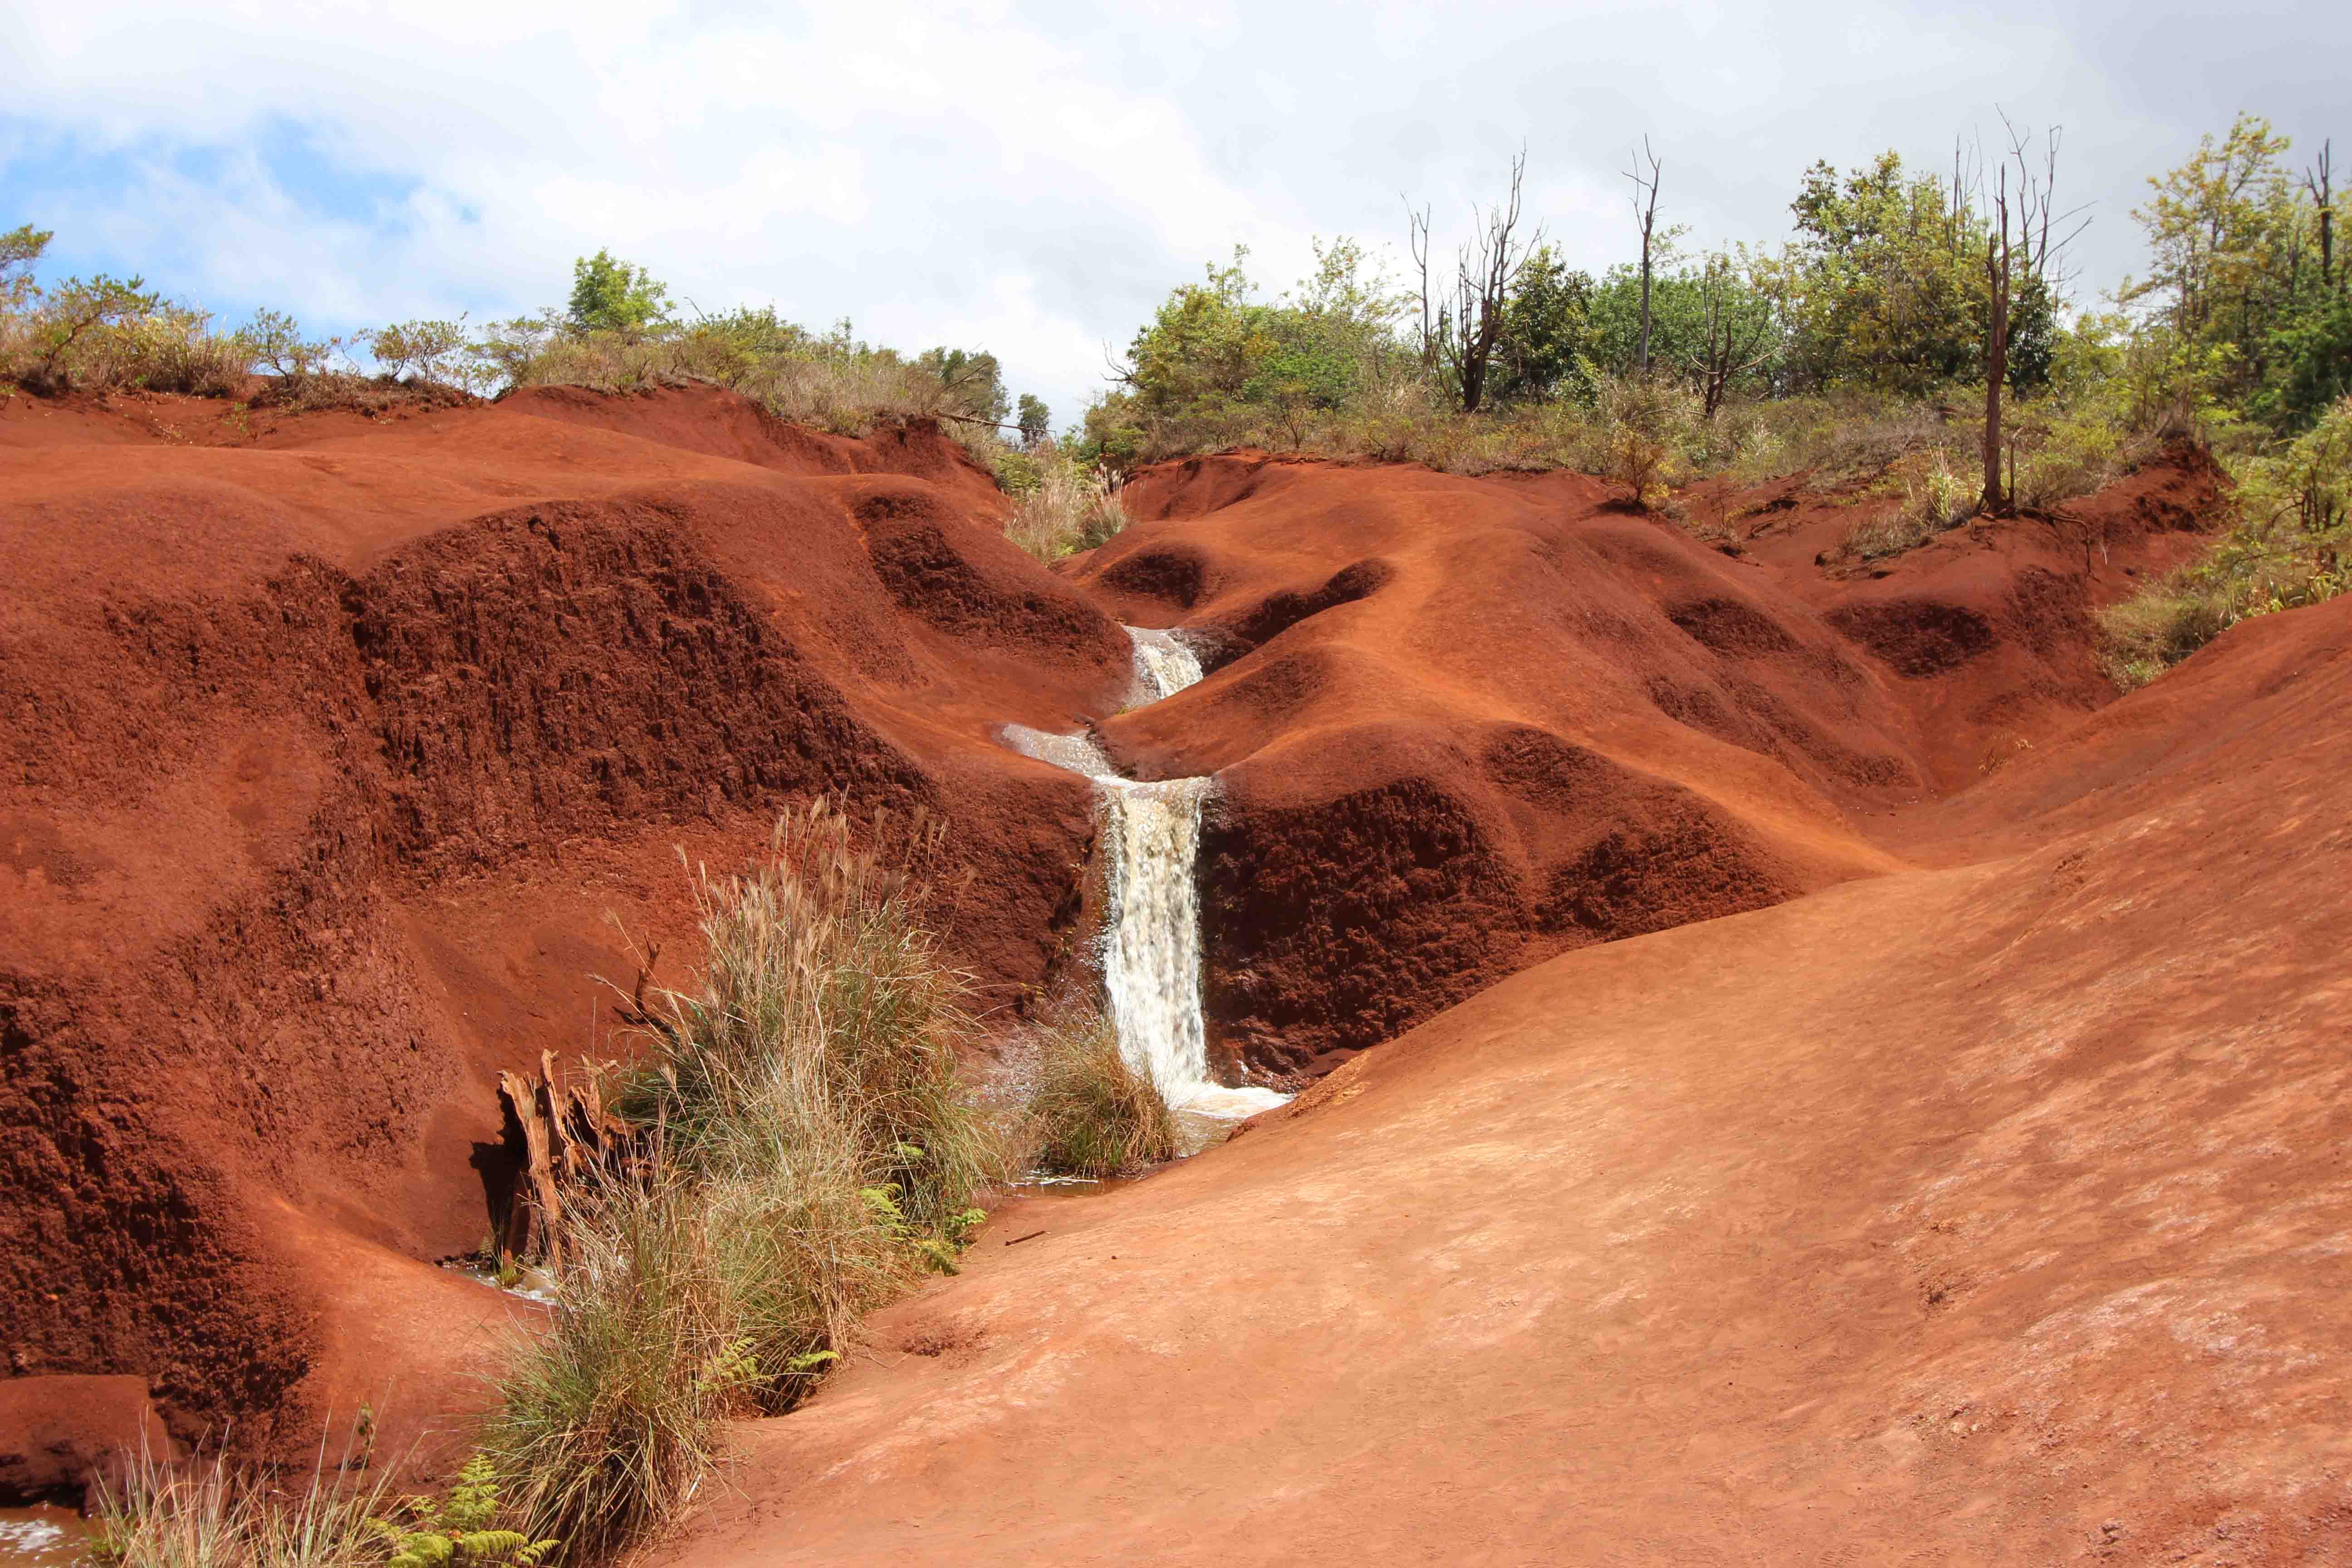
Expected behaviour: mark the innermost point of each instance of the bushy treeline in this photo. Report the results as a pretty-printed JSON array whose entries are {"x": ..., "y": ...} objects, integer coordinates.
[
  {"x": 1859, "y": 350},
  {"x": 618, "y": 333},
  {"x": 1881, "y": 299}
]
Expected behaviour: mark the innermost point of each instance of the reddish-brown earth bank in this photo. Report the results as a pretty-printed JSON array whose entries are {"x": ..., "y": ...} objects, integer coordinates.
[
  {"x": 1911, "y": 1131},
  {"x": 1463, "y": 725},
  {"x": 330, "y": 750}
]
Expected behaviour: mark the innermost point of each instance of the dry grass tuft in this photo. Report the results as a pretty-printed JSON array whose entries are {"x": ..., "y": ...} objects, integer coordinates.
[
  {"x": 212, "y": 1514},
  {"x": 1094, "y": 1113},
  {"x": 814, "y": 1150},
  {"x": 1060, "y": 507}
]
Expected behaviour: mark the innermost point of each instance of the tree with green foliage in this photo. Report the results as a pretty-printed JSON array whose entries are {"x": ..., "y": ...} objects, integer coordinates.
[
  {"x": 1548, "y": 336},
  {"x": 1884, "y": 280},
  {"x": 1034, "y": 418},
  {"x": 20, "y": 247},
  {"x": 2242, "y": 268},
  {"x": 2311, "y": 360},
  {"x": 609, "y": 295},
  {"x": 1216, "y": 362},
  {"x": 974, "y": 382}
]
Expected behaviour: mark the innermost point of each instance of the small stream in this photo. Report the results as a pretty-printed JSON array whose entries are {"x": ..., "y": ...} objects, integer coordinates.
[{"x": 1151, "y": 922}]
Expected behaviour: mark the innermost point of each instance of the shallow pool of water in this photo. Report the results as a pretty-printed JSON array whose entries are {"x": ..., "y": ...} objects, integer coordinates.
[{"x": 43, "y": 1536}]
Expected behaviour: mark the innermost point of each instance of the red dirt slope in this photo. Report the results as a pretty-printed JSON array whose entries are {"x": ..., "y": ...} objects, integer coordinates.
[
  {"x": 332, "y": 745},
  {"x": 1992, "y": 1213},
  {"x": 1463, "y": 724}
]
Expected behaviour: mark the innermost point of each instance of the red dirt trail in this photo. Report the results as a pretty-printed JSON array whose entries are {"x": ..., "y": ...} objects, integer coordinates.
[
  {"x": 1990, "y": 1213},
  {"x": 1847, "y": 1089}
]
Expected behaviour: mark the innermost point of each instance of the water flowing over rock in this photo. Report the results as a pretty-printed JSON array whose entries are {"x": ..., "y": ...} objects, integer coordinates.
[{"x": 1150, "y": 844}]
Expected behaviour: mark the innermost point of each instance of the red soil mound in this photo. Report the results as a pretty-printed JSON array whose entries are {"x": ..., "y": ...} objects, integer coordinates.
[
  {"x": 1992, "y": 1213},
  {"x": 333, "y": 746},
  {"x": 339, "y": 739},
  {"x": 1461, "y": 724}
]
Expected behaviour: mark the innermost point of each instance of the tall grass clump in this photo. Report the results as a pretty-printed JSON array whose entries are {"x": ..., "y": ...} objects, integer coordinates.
[
  {"x": 212, "y": 1514},
  {"x": 611, "y": 1415},
  {"x": 2291, "y": 547},
  {"x": 1060, "y": 506},
  {"x": 811, "y": 1150},
  {"x": 1093, "y": 1113}
]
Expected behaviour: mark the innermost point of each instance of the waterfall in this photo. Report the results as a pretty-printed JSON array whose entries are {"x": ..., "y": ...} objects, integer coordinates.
[
  {"x": 1164, "y": 666},
  {"x": 1150, "y": 841}
]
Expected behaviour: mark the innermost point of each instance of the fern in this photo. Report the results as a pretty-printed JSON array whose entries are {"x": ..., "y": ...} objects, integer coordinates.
[{"x": 456, "y": 1531}]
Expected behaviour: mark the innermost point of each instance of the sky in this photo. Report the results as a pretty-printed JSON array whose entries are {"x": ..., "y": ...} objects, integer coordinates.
[{"x": 1033, "y": 179}]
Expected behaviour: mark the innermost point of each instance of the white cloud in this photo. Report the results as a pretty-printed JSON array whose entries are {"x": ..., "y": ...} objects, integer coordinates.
[{"x": 1027, "y": 178}]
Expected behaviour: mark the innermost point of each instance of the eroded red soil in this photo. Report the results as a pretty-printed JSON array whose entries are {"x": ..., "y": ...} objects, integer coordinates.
[
  {"x": 1465, "y": 724},
  {"x": 1863, "y": 1093},
  {"x": 1990, "y": 1213},
  {"x": 336, "y": 750}
]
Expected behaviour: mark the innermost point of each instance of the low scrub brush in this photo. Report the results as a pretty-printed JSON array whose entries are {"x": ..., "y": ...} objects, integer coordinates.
[
  {"x": 1935, "y": 499},
  {"x": 2291, "y": 547}
]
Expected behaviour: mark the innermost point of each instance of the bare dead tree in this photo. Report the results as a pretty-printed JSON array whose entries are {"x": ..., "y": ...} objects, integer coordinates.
[
  {"x": 1645, "y": 213},
  {"x": 2018, "y": 247},
  {"x": 1417, "y": 223},
  {"x": 1485, "y": 272},
  {"x": 1734, "y": 346},
  {"x": 2319, "y": 182}
]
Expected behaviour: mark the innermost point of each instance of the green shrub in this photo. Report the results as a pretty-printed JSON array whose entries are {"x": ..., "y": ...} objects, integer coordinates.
[
  {"x": 1650, "y": 429},
  {"x": 105, "y": 334},
  {"x": 460, "y": 1529},
  {"x": 1018, "y": 473},
  {"x": 2291, "y": 547},
  {"x": 1094, "y": 1114},
  {"x": 2164, "y": 623},
  {"x": 438, "y": 351}
]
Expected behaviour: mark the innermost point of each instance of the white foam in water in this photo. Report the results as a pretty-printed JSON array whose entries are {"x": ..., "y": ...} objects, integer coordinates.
[
  {"x": 30, "y": 1537},
  {"x": 1078, "y": 753},
  {"x": 1152, "y": 928},
  {"x": 1164, "y": 666}
]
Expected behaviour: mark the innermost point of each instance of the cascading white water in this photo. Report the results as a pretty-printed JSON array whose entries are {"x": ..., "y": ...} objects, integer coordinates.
[
  {"x": 1151, "y": 922},
  {"x": 1164, "y": 666}
]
